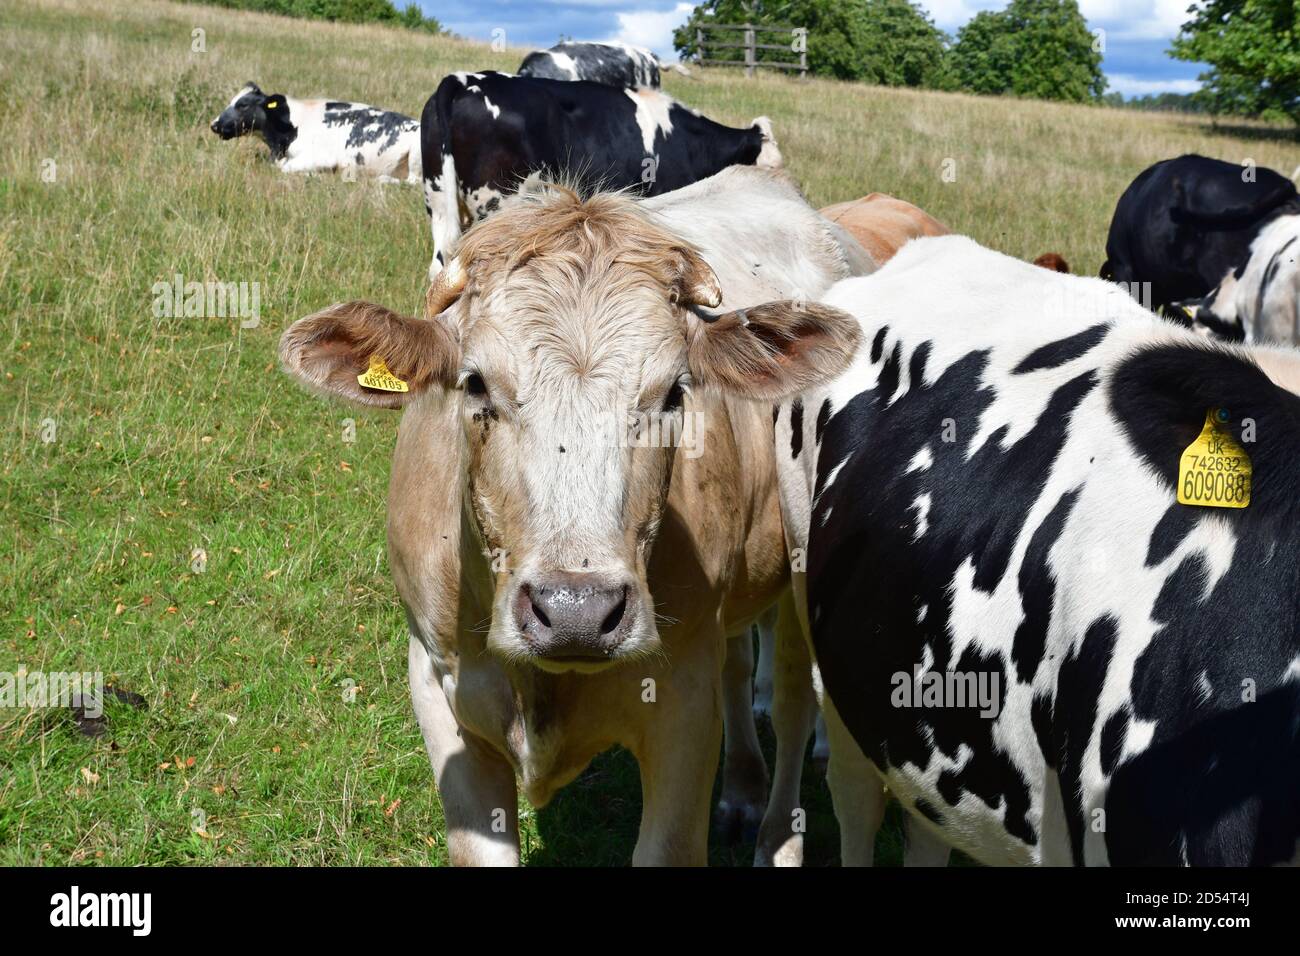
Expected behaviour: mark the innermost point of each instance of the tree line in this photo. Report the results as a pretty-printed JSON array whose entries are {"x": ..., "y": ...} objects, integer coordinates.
[{"x": 1042, "y": 49}]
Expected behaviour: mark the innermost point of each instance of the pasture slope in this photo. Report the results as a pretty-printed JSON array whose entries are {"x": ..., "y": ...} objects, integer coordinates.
[{"x": 132, "y": 441}]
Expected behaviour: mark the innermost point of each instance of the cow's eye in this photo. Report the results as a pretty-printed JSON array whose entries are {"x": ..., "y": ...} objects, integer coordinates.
[
  {"x": 676, "y": 394},
  {"x": 473, "y": 384}
]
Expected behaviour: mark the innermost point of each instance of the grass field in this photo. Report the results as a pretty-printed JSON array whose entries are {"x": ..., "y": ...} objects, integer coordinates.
[{"x": 131, "y": 442}]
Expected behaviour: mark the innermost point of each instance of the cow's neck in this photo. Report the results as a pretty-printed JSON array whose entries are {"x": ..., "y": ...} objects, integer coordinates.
[{"x": 280, "y": 130}]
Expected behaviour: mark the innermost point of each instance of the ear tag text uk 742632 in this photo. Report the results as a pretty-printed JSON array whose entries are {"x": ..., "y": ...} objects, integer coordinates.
[{"x": 1214, "y": 471}]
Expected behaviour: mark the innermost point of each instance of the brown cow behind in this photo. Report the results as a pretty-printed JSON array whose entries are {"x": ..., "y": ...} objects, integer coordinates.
[{"x": 882, "y": 224}]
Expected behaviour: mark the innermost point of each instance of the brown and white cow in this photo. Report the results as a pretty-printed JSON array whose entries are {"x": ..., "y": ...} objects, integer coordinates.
[{"x": 569, "y": 586}]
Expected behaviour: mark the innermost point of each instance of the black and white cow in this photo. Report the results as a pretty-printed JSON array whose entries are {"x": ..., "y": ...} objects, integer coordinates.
[
  {"x": 309, "y": 136},
  {"x": 1261, "y": 297},
  {"x": 1046, "y": 657},
  {"x": 614, "y": 64},
  {"x": 482, "y": 134},
  {"x": 1184, "y": 224}
]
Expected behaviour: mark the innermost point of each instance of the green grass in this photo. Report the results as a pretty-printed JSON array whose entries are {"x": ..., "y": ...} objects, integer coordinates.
[{"x": 180, "y": 434}]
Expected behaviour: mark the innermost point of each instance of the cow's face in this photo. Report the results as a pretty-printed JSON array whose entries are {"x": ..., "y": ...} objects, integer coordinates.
[
  {"x": 567, "y": 331},
  {"x": 1213, "y": 316},
  {"x": 249, "y": 110}
]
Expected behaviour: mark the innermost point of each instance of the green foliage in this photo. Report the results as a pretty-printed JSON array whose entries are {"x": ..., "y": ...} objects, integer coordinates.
[
  {"x": 1037, "y": 48},
  {"x": 345, "y": 11},
  {"x": 1254, "y": 50},
  {"x": 888, "y": 42},
  {"x": 1158, "y": 102}
]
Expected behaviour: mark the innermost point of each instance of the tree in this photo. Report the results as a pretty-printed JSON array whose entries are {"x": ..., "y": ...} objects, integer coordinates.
[
  {"x": 1254, "y": 49},
  {"x": 890, "y": 42},
  {"x": 1035, "y": 48}
]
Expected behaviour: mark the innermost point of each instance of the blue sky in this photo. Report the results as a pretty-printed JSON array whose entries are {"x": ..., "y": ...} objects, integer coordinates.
[{"x": 1137, "y": 32}]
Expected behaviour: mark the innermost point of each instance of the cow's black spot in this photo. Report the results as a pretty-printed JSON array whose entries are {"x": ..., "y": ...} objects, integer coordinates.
[
  {"x": 1037, "y": 588},
  {"x": 1112, "y": 739},
  {"x": 823, "y": 416},
  {"x": 1062, "y": 351},
  {"x": 1079, "y": 683},
  {"x": 878, "y": 343},
  {"x": 796, "y": 427},
  {"x": 1174, "y": 525},
  {"x": 368, "y": 125}
]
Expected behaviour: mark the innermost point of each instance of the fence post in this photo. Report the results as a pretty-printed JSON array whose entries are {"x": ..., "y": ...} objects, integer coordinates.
[
  {"x": 699, "y": 44},
  {"x": 803, "y": 52},
  {"x": 749, "y": 50}
]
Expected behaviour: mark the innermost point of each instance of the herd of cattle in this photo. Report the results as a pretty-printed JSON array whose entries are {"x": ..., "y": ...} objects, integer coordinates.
[{"x": 1028, "y": 547}]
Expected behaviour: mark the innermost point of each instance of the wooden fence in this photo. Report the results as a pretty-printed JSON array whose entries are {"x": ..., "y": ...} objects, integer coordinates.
[{"x": 796, "y": 41}]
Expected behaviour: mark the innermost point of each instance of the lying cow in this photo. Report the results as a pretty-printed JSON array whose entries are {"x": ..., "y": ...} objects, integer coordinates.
[
  {"x": 1044, "y": 654},
  {"x": 311, "y": 136},
  {"x": 613, "y": 64},
  {"x": 1260, "y": 300},
  {"x": 571, "y": 577},
  {"x": 484, "y": 133},
  {"x": 1184, "y": 224}
]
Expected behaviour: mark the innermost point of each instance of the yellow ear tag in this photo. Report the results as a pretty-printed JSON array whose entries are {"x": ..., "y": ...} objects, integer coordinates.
[
  {"x": 273, "y": 104},
  {"x": 379, "y": 377},
  {"x": 1214, "y": 470}
]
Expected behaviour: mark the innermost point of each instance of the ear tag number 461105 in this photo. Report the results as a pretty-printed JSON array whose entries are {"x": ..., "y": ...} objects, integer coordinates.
[
  {"x": 1214, "y": 471},
  {"x": 380, "y": 378}
]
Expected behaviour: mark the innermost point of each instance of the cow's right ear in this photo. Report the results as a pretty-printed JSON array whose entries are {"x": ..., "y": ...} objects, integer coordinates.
[
  {"x": 773, "y": 351},
  {"x": 333, "y": 349}
]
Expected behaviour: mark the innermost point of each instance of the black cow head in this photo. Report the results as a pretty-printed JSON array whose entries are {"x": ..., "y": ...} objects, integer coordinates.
[
  {"x": 1199, "y": 315},
  {"x": 250, "y": 110}
]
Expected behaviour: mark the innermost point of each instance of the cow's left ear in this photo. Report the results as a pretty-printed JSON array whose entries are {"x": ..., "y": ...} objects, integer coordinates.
[{"x": 773, "y": 351}]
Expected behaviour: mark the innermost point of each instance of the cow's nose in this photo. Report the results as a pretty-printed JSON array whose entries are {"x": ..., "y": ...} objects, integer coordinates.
[{"x": 578, "y": 617}]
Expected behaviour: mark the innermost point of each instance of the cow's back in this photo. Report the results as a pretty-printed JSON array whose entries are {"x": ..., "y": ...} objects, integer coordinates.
[
  {"x": 882, "y": 224},
  {"x": 1184, "y": 223}
]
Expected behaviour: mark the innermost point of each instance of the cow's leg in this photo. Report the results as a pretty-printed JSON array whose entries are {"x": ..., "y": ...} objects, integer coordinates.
[
  {"x": 856, "y": 792},
  {"x": 475, "y": 784},
  {"x": 821, "y": 753},
  {"x": 678, "y": 758},
  {"x": 794, "y": 710},
  {"x": 444, "y": 225},
  {"x": 921, "y": 846},
  {"x": 744, "y": 772},
  {"x": 766, "y": 663}
]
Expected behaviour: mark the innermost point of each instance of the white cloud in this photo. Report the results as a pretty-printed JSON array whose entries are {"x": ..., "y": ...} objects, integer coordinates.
[
  {"x": 1131, "y": 85},
  {"x": 948, "y": 15},
  {"x": 1137, "y": 19},
  {"x": 652, "y": 28}
]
